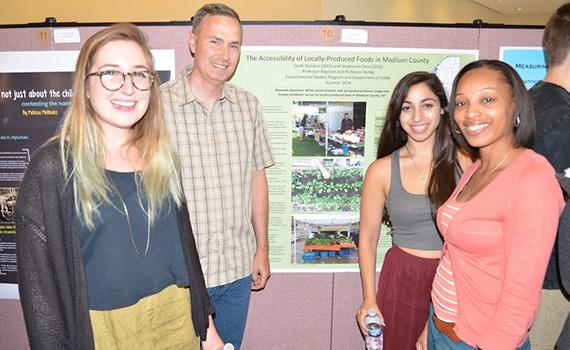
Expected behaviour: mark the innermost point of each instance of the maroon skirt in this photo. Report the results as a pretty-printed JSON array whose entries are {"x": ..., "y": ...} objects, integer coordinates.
[{"x": 404, "y": 297}]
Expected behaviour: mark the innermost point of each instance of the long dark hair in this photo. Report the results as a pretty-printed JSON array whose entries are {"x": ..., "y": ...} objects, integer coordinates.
[
  {"x": 445, "y": 165},
  {"x": 524, "y": 132}
]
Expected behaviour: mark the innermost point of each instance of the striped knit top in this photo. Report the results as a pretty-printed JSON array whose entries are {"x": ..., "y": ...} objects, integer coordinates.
[
  {"x": 443, "y": 294},
  {"x": 498, "y": 244}
]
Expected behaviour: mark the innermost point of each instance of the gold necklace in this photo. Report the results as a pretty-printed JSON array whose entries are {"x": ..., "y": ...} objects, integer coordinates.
[
  {"x": 420, "y": 174},
  {"x": 131, "y": 235},
  {"x": 497, "y": 166}
]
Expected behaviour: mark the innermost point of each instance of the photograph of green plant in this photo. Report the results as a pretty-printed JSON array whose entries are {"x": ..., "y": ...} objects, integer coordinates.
[{"x": 324, "y": 185}]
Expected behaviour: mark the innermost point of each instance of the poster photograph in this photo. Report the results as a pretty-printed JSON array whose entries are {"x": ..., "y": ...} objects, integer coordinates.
[
  {"x": 328, "y": 129},
  {"x": 324, "y": 239}
]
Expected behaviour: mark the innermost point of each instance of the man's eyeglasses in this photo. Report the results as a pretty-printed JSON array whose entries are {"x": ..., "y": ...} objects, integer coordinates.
[{"x": 113, "y": 80}]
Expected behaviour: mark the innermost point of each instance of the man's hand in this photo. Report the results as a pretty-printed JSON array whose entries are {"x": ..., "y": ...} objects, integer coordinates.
[{"x": 260, "y": 270}]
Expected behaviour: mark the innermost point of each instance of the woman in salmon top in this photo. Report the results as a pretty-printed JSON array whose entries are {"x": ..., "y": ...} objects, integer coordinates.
[{"x": 500, "y": 222}]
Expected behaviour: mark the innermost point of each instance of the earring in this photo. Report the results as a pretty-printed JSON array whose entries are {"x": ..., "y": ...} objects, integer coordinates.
[
  {"x": 455, "y": 129},
  {"x": 517, "y": 121}
]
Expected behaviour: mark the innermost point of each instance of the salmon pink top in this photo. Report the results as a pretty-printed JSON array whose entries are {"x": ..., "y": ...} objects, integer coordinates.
[{"x": 498, "y": 244}]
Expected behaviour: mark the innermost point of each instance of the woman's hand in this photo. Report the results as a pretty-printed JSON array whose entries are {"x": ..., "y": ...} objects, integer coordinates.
[
  {"x": 213, "y": 340},
  {"x": 363, "y": 311},
  {"x": 421, "y": 344}
]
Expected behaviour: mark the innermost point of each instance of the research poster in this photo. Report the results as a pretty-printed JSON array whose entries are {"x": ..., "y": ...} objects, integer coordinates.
[
  {"x": 35, "y": 91},
  {"x": 529, "y": 62},
  {"x": 324, "y": 108},
  {"x": 35, "y": 88}
]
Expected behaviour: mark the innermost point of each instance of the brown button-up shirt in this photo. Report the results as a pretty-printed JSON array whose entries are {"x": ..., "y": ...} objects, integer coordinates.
[{"x": 219, "y": 150}]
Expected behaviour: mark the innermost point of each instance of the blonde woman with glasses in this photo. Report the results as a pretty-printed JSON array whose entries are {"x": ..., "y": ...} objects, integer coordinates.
[{"x": 106, "y": 255}]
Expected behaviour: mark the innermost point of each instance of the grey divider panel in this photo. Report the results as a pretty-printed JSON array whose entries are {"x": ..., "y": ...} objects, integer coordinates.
[
  {"x": 293, "y": 312},
  {"x": 347, "y": 299},
  {"x": 175, "y": 37},
  {"x": 12, "y": 327},
  {"x": 493, "y": 39}
]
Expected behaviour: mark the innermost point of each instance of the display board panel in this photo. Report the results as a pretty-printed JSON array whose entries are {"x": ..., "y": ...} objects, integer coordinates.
[{"x": 322, "y": 70}]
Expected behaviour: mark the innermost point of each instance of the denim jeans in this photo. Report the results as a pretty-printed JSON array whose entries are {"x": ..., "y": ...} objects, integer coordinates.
[
  {"x": 439, "y": 341},
  {"x": 231, "y": 302}
]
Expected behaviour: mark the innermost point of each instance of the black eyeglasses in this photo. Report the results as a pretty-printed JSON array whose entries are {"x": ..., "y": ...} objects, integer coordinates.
[{"x": 113, "y": 80}]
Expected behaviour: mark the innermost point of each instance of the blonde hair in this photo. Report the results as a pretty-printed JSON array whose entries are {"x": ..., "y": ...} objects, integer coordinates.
[{"x": 82, "y": 148}]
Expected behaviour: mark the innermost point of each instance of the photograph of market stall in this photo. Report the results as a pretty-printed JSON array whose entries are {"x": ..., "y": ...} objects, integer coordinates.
[
  {"x": 324, "y": 238},
  {"x": 328, "y": 129}
]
